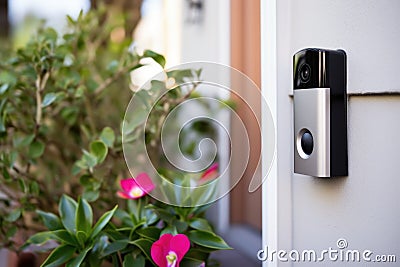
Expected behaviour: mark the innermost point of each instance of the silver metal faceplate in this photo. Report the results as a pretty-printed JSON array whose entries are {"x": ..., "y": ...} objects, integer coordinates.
[{"x": 312, "y": 112}]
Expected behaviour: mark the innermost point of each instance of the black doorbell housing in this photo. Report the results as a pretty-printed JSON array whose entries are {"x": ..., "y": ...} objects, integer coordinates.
[{"x": 320, "y": 112}]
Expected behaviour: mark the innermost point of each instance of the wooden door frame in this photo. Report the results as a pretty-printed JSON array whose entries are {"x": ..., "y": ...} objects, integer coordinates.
[{"x": 245, "y": 57}]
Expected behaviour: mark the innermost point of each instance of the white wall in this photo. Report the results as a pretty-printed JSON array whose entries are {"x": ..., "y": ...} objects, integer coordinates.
[
  {"x": 209, "y": 40},
  {"x": 362, "y": 208},
  {"x": 168, "y": 28},
  {"x": 367, "y": 29},
  {"x": 313, "y": 213}
]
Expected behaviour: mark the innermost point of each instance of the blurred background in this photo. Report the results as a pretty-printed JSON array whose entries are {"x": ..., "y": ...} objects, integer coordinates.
[{"x": 223, "y": 31}]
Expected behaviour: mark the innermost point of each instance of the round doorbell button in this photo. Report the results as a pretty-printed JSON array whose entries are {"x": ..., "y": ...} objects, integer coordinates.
[{"x": 307, "y": 143}]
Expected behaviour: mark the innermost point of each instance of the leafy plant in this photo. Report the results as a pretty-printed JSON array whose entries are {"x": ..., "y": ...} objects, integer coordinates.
[
  {"x": 129, "y": 239},
  {"x": 62, "y": 100},
  {"x": 75, "y": 231},
  {"x": 61, "y": 103}
]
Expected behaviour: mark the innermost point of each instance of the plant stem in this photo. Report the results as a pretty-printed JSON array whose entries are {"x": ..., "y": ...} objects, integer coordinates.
[
  {"x": 120, "y": 258},
  {"x": 28, "y": 176},
  {"x": 11, "y": 195},
  {"x": 38, "y": 103},
  {"x": 90, "y": 117},
  {"x": 113, "y": 78},
  {"x": 40, "y": 85},
  {"x": 140, "y": 204}
]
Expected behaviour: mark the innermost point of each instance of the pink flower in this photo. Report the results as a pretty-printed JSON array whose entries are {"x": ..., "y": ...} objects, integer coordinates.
[
  {"x": 169, "y": 250},
  {"x": 209, "y": 174},
  {"x": 133, "y": 188}
]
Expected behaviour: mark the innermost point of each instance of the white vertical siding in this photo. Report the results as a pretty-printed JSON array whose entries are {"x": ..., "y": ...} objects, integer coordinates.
[{"x": 363, "y": 207}]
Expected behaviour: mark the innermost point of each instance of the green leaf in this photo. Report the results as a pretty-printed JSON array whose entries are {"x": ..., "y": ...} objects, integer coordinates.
[
  {"x": 179, "y": 75},
  {"x": 207, "y": 239},
  {"x": 84, "y": 216},
  {"x": 48, "y": 99},
  {"x": 228, "y": 103},
  {"x": 36, "y": 149},
  {"x": 80, "y": 91},
  {"x": 12, "y": 231},
  {"x": 195, "y": 253},
  {"x": 133, "y": 207},
  {"x": 50, "y": 220},
  {"x": 102, "y": 222},
  {"x": 22, "y": 140},
  {"x": 6, "y": 175},
  {"x": 114, "y": 247},
  {"x": 40, "y": 238},
  {"x": 63, "y": 236},
  {"x": 59, "y": 256},
  {"x": 76, "y": 262},
  {"x": 170, "y": 229},
  {"x": 81, "y": 237},
  {"x": 75, "y": 168},
  {"x": 180, "y": 225},
  {"x": 4, "y": 88},
  {"x": 200, "y": 224},
  {"x": 122, "y": 215},
  {"x": 151, "y": 232},
  {"x": 164, "y": 215},
  {"x": 157, "y": 86},
  {"x": 145, "y": 246},
  {"x": 88, "y": 159},
  {"x": 22, "y": 185},
  {"x": 136, "y": 67},
  {"x": 88, "y": 181},
  {"x": 34, "y": 188},
  {"x": 114, "y": 234},
  {"x": 135, "y": 120},
  {"x": 113, "y": 66},
  {"x": 198, "y": 72},
  {"x": 108, "y": 136},
  {"x": 129, "y": 261},
  {"x": 99, "y": 150},
  {"x": 13, "y": 215},
  {"x": 50, "y": 34},
  {"x": 92, "y": 85},
  {"x": 9, "y": 78},
  {"x": 145, "y": 99},
  {"x": 67, "y": 210},
  {"x": 157, "y": 57},
  {"x": 91, "y": 195},
  {"x": 12, "y": 157},
  {"x": 2, "y": 127},
  {"x": 99, "y": 245},
  {"x": 151, "y": 217},
  {"x": 70, "y": 114},
  {"x": 70, "y": 21},
  {"x": 81, "y": 164}
]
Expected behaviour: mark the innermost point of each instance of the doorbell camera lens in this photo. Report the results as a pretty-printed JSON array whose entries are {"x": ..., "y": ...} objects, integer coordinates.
[
  {"x": 307, "y": 143},
  {"x": 305, "y": 73}
]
